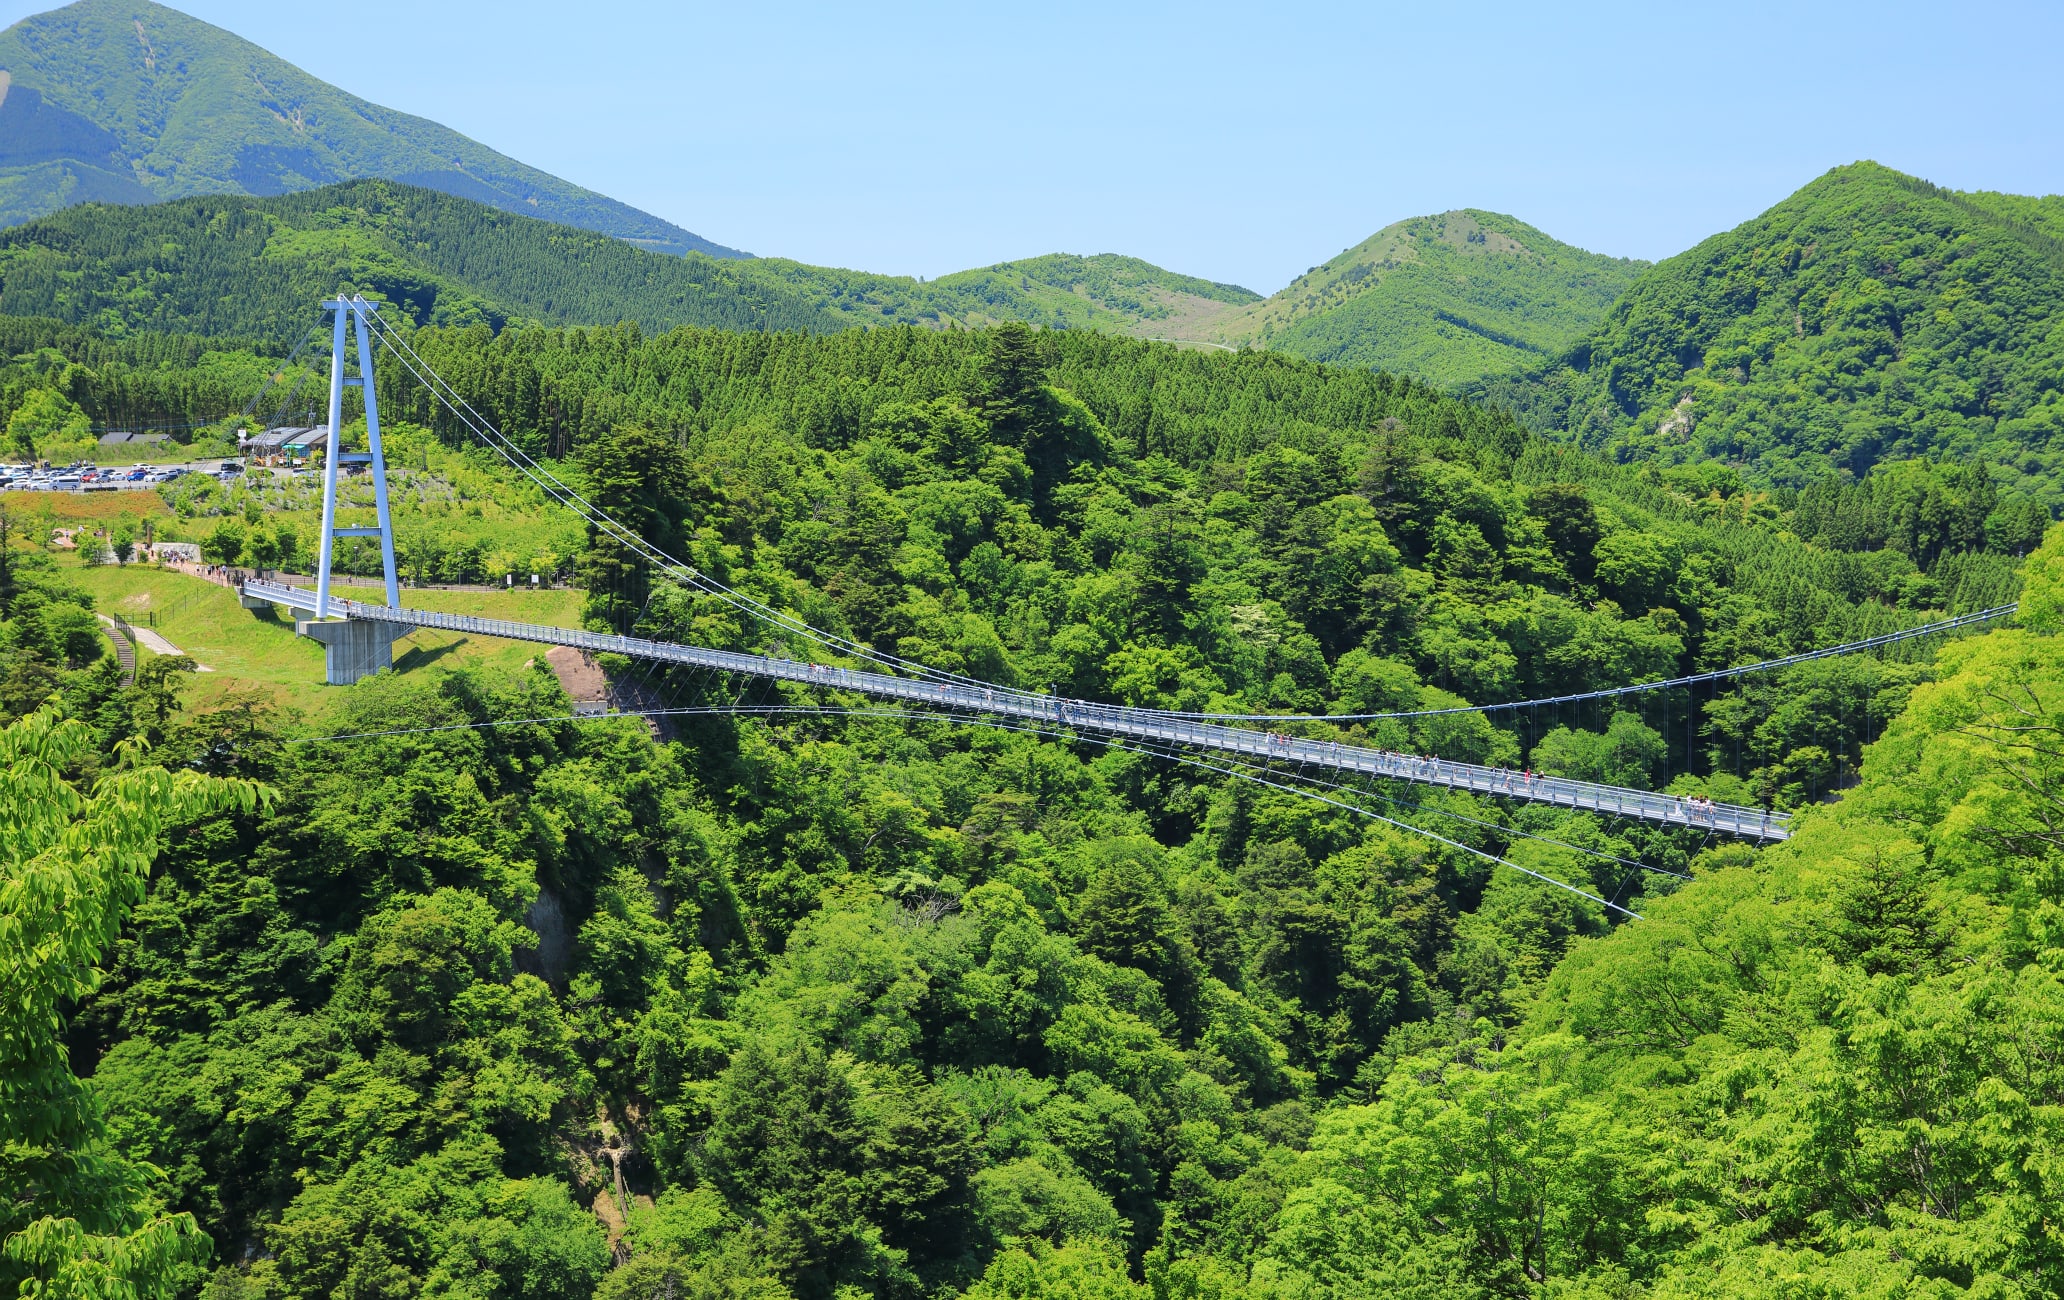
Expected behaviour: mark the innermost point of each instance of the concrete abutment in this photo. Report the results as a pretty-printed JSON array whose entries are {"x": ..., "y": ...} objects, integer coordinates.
[{"x": 352, "y": 648}]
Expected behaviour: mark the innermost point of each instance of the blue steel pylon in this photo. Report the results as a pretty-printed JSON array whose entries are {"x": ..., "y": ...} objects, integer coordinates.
[{"x": 355, "y": 310}]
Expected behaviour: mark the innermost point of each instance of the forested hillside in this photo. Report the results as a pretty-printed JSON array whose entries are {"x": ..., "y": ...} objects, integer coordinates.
[
  {"x": 125, "y": 101},
  {"x": 61, "y": 385},
  {"x": 841, "y": 1005},
  {"x": 257, "y": 268},
  {"x": 1446, "y": 299},
  {"x": 1870, "y": 317}
]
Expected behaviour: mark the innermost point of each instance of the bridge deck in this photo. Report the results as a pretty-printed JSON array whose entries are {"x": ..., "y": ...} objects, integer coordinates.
[{"x": 1099, "y": 719}]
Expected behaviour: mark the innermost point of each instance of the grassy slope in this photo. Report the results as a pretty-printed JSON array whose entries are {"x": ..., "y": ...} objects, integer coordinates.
[
  {"x": 246, "y": 651},
  {"x": 134, "y": 93},
  {"x": 240, "y": 650},
  {"x": 1446, "y": 298},
  {"x": 1869, "y": 316}
]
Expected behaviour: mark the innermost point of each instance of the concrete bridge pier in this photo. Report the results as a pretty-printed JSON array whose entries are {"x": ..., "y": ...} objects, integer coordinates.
[{"x": 352, "y": 648}]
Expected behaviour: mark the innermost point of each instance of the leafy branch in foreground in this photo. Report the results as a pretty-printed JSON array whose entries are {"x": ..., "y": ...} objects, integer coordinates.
[{"x": 78, "y": 1219}]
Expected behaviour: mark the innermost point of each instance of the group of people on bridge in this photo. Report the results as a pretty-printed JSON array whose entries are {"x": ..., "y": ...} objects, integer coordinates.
[{"x": 1696, "y": 807}]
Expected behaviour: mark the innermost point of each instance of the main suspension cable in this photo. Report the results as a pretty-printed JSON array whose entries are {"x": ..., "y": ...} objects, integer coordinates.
[{"x": 556, "y": 489}]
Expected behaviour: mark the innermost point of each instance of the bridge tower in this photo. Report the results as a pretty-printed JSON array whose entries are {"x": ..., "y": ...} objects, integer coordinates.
[{"x": 354, "y": 648}]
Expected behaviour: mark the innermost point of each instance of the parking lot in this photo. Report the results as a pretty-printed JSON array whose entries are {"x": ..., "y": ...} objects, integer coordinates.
[{"x": 107, "y": 478}]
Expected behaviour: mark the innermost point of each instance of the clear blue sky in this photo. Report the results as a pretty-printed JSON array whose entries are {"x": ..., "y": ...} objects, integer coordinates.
[{"x": 1242, "y": 143}]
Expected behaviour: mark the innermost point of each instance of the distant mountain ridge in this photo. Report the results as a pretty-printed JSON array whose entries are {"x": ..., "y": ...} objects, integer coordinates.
[
  {"x": 1871, "y": 316},
  {"x": 125, "y": 101},
  {"x": 1110, "y": 292},
  {"x": 238, "y": 266},
  {"x": 129, "y": 102}
]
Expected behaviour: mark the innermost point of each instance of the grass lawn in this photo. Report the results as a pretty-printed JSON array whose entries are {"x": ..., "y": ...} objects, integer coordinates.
[
  {"x": 246, "y": 650},
  {"x": 429, "y": 646},
  {"x": 205, "y": 621}
]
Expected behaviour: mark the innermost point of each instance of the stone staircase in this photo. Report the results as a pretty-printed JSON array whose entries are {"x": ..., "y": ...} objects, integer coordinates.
[{"x": 124, "y": 637}]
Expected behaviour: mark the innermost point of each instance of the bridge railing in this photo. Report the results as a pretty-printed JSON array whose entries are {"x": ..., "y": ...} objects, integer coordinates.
[{"x": 1272, "y": 748}]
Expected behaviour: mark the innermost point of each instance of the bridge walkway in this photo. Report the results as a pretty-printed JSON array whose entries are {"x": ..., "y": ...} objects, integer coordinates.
[{"x": 1108, "y": 720}]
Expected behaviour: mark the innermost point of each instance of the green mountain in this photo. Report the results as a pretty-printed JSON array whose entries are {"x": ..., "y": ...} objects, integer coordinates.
[
  {"x": 1447, "y": 298},
  {"x": 124, "y": 101},
  {"x": 245, "y": 267},
  {"x": 1871, "y": 316},
  {"x": 231, "y": 265}
]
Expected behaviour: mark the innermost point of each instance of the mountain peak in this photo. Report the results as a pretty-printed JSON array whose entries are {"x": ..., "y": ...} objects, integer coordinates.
[
  {"x": 1449, "y": 297},
  {"x": 127, "y": 101}
]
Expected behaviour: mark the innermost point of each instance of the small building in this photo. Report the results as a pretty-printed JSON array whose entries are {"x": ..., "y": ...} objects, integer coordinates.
[
  {"x": 138, "y": 441},
  {"x": 279, "y": 446}
]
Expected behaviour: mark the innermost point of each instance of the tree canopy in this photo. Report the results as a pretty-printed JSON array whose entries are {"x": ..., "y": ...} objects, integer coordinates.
[{"x": 838, "y": 1004}]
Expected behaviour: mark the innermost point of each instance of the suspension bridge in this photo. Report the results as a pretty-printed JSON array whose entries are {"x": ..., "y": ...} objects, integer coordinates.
[
  {"x": 359, "y": 636},
  {"x": 357, "y": 653}
]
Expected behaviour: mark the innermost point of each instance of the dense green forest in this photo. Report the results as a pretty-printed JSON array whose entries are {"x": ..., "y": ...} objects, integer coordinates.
[
  {"x": 61, "y": 385},
  {"x": 255, "y": 268},
  {"x": 840, "y": 1006},
  {"x": 1446, "y": 480},
  {"x": 1870, "y": 317},
  {"x": 424, "y": 988},
  {"x": 1447, "y": 299},
  {"x": 131, "y": 102}
]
